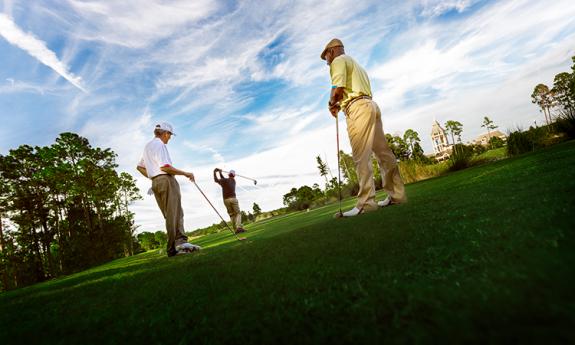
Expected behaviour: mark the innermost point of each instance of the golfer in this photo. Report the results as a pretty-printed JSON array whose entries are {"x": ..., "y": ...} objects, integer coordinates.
[
  {"x": 351, "y": 92},
  {"x": 229, "y": 193},
  {"x": 157, "y": 166}
]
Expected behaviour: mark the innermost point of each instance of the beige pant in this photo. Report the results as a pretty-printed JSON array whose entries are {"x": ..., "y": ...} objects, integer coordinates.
[
  {"x": 233, "y": 207},
  {"x": 366, "y": 135},
  {"x": 167, "y": 192}
]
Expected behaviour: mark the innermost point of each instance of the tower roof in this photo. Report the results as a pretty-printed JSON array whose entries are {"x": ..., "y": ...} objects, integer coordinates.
[{"x": 436, "y": 128}]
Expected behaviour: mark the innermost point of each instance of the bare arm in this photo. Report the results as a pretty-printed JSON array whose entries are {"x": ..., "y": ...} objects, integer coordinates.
[
  {"x": 335, "y": 97},
  {"x": 173, "y": 171},
  {"x": 142, "y": 170}
]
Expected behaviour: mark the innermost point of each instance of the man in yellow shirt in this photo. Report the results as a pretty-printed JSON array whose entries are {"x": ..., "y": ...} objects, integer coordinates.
[{"x": 351, "y": 92}]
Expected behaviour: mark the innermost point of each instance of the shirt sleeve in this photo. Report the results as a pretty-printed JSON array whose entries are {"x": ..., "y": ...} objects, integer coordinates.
[
  {"x": 141, "y": 162},
  {"x": 338, "y": 73},
  {"x": 163, "y": 157}
]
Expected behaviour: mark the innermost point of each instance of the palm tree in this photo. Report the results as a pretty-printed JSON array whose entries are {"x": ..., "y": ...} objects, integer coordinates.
[
  {"x": 454, "y": 128},
  {"x": 543, "y": 97},
  {"x": 487, "y": 123}
]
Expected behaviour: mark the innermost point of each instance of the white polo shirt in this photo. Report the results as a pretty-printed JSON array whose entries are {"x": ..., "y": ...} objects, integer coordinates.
[{"x": 155, "y": 157}]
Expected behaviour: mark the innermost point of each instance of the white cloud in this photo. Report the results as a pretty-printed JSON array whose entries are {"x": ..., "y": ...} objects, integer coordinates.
[
  {"x": 203, "y": 66},
  {"x": 37, "y": 49},
  {"x": 473, "y": 53},
  {"x": 434, "y": 8},
  {"x": 132, "y": 23}
]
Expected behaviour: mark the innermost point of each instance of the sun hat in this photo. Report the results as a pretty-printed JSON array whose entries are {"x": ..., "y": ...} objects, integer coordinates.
[{"x": 333, "y": 43}]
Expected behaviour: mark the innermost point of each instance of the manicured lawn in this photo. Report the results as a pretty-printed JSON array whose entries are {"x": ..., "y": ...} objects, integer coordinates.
[
  {"x": 485, "y": 254},
  {"x": 494, "y": 154}
]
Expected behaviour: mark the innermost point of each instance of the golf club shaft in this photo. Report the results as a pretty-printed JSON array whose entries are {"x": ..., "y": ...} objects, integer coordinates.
[
  {"x": 222, "y": 218},
  {"x": 338, "y": 169},
  {"x": 238, "y": 175}
]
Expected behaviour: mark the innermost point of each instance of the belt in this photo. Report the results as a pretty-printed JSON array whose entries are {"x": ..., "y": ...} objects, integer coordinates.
[
  {"x": 153, "y": 178},
  {"x": 346, "y": 110}
]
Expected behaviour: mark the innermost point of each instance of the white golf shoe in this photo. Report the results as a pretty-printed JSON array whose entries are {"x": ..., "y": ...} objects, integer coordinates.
[
  {"x": 385, "y": 202},
  {"x": 352, "y": 213},
  {"x": 186, "y": 248}
]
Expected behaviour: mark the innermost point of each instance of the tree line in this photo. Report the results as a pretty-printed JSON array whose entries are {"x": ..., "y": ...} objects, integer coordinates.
[
  {"x": 63, "y": 208},
  {"x": 157, "y": 240},
  {"x": 406, "y": 148},
  {"x": 559, "y": 100},
  {"x": 557, "y": 103}
]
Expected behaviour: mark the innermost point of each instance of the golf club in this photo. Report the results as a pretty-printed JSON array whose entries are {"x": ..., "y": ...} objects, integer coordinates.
[
  {"x": 339, "y": 214},
  {"x": 233, "y": 232},
  {"x": 249, "y": 178}
]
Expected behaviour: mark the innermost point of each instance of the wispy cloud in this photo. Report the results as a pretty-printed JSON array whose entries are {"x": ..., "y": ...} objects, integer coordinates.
[
  {"x": 36, "y": 48},
  {"x": 462, "y": 54},
  {"x": 244, "y": 86},
  {"x": 137, "y": 24},
  {"x": 434, "y": 8}
]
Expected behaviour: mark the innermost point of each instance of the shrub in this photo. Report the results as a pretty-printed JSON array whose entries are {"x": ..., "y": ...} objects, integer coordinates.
[
  {"x": 412, "y": 170},
  {"x": 496, "y": 142},
  {"x": 460, "y": 157},
  {"x": 478, "y": 148},
  {"x": 520, "y": 142},
  {"x": 565, "y": 125}
]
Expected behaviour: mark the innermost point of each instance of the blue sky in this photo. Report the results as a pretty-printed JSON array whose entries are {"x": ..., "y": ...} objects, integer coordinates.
[{"x": 245, "y": 89}]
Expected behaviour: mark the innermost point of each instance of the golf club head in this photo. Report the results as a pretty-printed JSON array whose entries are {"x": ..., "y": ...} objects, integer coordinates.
[{"x": 338, "y": 215}]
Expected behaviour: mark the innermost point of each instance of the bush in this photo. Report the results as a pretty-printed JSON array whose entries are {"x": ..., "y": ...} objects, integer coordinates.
[
  {"x": 412, "y": 170},
  {"x": 478, "y": 148},
  {"x": 565, "y": 125},
  {"x": 460, "y": 157},
  {"x": 520, "y": 142},
  {"x": 496, "y": 142}
]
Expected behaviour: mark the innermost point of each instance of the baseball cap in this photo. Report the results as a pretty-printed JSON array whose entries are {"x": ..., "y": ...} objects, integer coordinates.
[
  {"x": 333, "y": 43},
  {"x": 166, "y": 127},
  {"x": 232, "y": 172}
]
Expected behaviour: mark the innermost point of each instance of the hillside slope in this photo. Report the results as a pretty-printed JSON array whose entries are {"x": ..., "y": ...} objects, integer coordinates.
[{"x": 484, "y": 254}]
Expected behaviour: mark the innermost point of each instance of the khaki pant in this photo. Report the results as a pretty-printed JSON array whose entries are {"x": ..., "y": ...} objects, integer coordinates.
[
  {"x": 167, "y": 192},
  {"x": 366, "y": 136},
  {"x": 233, "y": 207}
]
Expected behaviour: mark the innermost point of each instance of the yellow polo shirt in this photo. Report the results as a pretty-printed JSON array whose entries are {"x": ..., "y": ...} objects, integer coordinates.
[{"x": 347, "y": 73}]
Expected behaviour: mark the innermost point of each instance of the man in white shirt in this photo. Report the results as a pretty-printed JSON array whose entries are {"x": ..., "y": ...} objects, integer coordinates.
[{"x": 157, "y": 166}]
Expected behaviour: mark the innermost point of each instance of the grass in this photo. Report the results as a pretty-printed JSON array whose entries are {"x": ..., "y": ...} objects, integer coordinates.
[
  {"x": 480, "y": 255},
  {"x": 413, "y": 171},
  {"x": 493, "y": 155}
]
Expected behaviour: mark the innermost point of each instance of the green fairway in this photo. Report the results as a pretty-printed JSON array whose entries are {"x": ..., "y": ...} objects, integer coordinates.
[{"x": 485, "y": 254}]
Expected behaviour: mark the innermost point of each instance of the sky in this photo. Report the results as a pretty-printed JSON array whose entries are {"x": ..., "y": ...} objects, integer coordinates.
[{"x": 245, "y": 89}]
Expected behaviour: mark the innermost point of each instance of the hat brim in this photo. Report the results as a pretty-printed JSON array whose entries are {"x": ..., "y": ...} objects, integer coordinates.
[{"x": 325, "y": 51}]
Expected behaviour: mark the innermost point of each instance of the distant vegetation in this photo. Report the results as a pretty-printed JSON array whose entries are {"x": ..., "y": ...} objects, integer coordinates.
[
  {"x": 63, "y": 208},
  {"x": 557, "y": 103}
]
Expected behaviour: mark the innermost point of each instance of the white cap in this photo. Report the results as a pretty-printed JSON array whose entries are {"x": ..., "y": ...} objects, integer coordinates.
[
  {"x": 166, "y": 127},
  {"x": 232, "y": 172}
]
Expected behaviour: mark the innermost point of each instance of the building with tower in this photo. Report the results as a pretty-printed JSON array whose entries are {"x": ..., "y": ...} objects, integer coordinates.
[{"x": 441, "y": 147}]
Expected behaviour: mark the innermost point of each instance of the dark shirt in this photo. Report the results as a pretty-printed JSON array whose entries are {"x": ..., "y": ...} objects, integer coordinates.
[{"x": 228, "y": 185}]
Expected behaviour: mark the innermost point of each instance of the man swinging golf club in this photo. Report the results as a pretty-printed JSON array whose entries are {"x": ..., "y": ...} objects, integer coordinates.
[
  {"x": 229, "y": 193},
  {"x": 351, "y": 92},
  {"x": 157, "y": 166}
]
